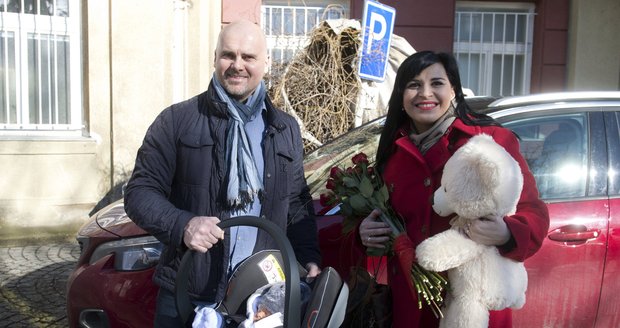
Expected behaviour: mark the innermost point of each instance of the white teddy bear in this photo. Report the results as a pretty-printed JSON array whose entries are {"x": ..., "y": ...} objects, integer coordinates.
[{"x": 481, "y": 180}]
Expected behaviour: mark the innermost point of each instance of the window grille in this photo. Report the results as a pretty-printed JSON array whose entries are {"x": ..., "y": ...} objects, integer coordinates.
[
  {"x": 287, "y": 28},
  {"x": 493, "y": 46},
  {"x": 40, "y": 65}
]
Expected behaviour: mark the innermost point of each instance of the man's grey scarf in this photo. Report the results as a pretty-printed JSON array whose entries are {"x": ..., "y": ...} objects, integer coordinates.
[
  {"x": 428, "y": 138},
  {"x": 244, "y": 182}
]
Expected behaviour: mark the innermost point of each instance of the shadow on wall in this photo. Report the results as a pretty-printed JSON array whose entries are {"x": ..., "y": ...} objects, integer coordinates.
[
  {"x": 13, "y": 232},
  {"x": 110, "y": 197}
]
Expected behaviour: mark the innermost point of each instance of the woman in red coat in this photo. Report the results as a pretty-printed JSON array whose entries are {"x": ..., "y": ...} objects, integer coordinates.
[{"x": 427, "y": 121}]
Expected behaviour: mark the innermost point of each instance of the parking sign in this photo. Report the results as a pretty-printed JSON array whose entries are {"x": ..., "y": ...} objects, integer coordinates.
[{"x": 377, "y": 27}]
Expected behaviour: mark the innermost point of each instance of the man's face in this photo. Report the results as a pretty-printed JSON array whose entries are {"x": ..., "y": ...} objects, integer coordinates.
[{"x": 240, "y": 59}]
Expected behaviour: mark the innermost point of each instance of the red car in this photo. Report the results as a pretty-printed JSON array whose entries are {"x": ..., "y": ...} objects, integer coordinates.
[{"x": 572, "y": 144}]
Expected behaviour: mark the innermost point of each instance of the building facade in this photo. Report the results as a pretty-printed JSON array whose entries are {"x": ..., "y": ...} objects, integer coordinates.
[{"x": 82, "y": 80}]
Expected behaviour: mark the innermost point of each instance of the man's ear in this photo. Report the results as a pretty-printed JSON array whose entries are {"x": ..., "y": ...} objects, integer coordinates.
[{"x": 267, "y": 63}]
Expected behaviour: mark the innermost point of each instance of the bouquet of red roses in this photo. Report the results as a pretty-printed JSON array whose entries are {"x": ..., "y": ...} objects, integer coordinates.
[{"x": 358, "y": 190}]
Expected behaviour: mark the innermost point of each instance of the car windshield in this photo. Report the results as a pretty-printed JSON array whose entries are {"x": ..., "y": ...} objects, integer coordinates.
[{"x": 339, "y": 152}]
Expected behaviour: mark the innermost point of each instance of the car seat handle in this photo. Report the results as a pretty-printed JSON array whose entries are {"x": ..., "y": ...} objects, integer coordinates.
[{"x": 292, "y": 299}]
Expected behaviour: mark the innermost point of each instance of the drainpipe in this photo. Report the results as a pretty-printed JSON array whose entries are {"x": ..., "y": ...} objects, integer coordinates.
[{"x": 179, "y": 49}]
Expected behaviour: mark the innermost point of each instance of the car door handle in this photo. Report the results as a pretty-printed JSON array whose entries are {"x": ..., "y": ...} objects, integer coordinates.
[{"x": 573, "y": 233}]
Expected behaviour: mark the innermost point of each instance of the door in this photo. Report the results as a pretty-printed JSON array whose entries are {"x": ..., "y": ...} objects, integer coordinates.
[
  {"x": 608, "y": 314},
  {"x": 567, "y": 154}
]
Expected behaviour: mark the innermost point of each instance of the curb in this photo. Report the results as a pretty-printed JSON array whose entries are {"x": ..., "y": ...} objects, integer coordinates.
[{"x": 37, "y": 236}]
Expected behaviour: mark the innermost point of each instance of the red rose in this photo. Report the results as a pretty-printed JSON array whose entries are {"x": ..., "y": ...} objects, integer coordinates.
[
  {"x": 360, "y": 158},
  {"x": 326, "y": 199},
  {"x": 331, "y": 184},
  {"x": 335, "y": 172},
  {"x": 370, "y": 170}
]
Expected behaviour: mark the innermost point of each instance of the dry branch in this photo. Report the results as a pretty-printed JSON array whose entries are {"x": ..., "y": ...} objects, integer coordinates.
[{"x": 320, "y": 86}]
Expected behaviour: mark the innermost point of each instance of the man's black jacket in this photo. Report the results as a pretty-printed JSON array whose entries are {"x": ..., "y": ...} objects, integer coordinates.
[{"x": 180, "y": 173}]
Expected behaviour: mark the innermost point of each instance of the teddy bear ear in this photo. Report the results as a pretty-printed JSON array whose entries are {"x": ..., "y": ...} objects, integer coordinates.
[
  {"x": 499, "y": 172},
  {"x": 483, "y": 154},
  {"x": 488, "y": 171}
]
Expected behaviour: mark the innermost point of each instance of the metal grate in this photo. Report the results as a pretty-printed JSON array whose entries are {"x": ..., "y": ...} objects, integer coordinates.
[
  {"x": 493, "y": 47},
  {"x": 287, "y": 28},
  {"x": 40, "y": 67}
]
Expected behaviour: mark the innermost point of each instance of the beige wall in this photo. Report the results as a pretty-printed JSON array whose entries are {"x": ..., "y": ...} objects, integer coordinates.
[
  {"x": 164, "y": 59},
  {"x": 594, "y": 45},
  {"x": 47, "y": 182},
  {"x": 140, "y": 56}
]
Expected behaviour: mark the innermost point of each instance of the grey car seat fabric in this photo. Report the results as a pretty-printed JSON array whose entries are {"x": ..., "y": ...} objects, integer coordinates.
[{"x": 564, "y": 140}]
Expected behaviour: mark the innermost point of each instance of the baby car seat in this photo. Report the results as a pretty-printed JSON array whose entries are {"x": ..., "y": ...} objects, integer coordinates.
[{"x": 326, "y": 306}]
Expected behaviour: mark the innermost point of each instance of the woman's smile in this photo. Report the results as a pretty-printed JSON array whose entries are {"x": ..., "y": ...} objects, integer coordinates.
[{"x": 427, "y": 105}]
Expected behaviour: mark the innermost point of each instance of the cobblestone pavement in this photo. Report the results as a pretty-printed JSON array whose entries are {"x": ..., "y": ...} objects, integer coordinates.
[{"x": 32, "y": 284}]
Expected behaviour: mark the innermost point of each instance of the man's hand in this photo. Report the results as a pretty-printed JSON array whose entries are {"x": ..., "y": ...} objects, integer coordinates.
[
  {"x": 202, "y": 232},
  {"x": 313, "y": 270}
]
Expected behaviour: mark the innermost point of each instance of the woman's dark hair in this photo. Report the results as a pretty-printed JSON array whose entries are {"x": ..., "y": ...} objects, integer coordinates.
[{"x": 407, "y": 71}]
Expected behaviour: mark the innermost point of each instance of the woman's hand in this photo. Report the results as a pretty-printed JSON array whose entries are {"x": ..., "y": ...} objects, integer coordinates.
[
  {"x": 488, "y": 231},
  {"x": 374, "y": 232}
]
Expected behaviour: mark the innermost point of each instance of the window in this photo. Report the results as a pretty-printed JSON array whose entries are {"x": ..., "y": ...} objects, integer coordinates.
[
  {"x": 286, "y": 27},
  {"x": 40, "y": 68},
  {"x": 556, "y": 150},
  {"x": 493, "y": 46}
]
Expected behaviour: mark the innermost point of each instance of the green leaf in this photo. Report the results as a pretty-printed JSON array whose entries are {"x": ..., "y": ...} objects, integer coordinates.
[
  {"x": 377, "y": 196},
  {"x": 350, "y": 182},
  {"x": 366, "y": 187},
  {"x": 385, "y": 195},
  {"x": 346, "y": 210},
  {"x": 358, "y": 203},
  {"x": 371, "y": 251}
]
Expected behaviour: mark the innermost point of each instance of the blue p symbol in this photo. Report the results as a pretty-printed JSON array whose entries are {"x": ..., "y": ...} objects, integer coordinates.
[
  {"x": 375, "y": 19},
  {"x": 377, "y": 32}
]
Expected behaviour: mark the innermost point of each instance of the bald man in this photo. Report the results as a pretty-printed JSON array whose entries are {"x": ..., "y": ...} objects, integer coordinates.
[{"x": 224, "y": 153}]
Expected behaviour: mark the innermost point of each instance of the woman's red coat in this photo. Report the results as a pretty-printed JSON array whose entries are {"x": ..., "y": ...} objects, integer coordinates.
[{"x": 413, "y": 178}]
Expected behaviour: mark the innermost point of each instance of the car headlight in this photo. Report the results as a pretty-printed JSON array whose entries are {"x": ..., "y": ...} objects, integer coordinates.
[{"x": 131, "y": 254}]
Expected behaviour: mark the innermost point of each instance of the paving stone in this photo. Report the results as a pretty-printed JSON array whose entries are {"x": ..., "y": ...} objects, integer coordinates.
[{"x": 32, "y": 284}]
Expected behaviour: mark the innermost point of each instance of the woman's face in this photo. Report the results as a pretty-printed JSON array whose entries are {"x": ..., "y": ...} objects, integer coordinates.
[{"x": 428, "y": 96}]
